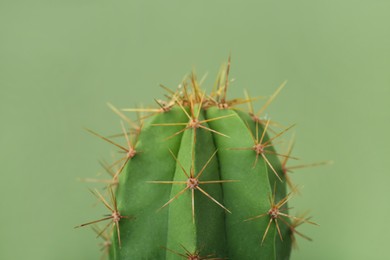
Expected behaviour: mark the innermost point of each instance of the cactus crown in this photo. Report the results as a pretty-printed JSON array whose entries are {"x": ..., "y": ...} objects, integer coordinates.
[{"x": 199, "y": 179}]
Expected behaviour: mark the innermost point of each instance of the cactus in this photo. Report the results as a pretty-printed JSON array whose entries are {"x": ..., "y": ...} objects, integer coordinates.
[{"x": 200, "y": 179}]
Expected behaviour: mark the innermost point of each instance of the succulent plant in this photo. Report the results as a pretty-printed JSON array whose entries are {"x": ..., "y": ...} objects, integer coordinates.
[{"x": 199, "y": 179}]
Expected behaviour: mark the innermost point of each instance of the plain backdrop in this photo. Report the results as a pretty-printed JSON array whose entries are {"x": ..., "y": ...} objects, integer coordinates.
[{"x": 62, "y": 61}]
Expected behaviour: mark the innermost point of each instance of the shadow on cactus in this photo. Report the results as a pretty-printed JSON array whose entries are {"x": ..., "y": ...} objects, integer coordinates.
[{"x": 199, "y": 179}]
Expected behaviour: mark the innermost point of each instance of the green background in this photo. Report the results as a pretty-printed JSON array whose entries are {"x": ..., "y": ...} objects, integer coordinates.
[{"x": 61, "y": 61}]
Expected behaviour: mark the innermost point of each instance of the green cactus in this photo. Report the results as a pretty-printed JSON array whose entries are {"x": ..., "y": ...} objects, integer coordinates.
[{"x": 200, "y": 179}]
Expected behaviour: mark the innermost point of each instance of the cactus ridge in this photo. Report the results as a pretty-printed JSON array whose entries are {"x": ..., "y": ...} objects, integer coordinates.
[{"x": 199, "y": 179}]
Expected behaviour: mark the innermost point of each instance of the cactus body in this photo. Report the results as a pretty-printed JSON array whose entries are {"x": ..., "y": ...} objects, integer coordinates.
[{"x": 203, "y": 182}]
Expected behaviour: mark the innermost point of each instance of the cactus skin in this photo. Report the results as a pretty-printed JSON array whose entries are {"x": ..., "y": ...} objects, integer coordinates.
[{"x": 226, "y": 214}]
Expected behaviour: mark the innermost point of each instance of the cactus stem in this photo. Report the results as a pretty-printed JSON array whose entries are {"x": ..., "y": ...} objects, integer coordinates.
[
  {"x": 115, "y": 215},
  {"x": 196, "y": 177},
  {"x": 192, "y": 183}
]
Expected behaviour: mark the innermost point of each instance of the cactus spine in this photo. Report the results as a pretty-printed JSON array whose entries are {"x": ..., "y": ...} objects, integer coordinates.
[{"x": 200, "y": 179}]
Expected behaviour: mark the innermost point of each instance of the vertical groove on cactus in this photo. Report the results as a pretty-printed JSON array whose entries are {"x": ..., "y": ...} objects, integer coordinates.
[{"x": 200, "y": 179}]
